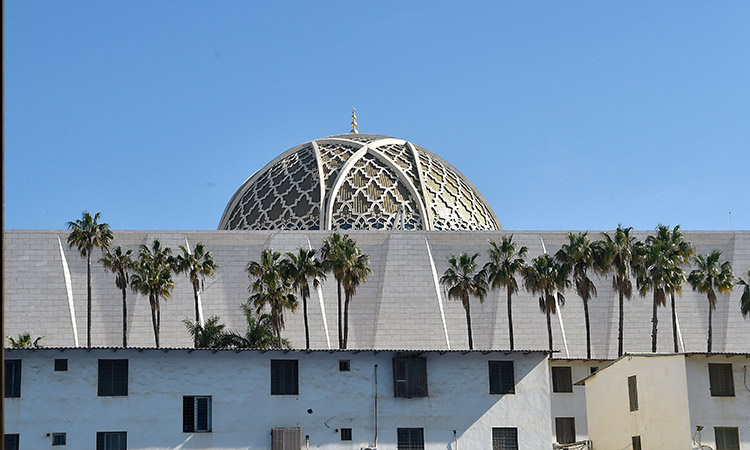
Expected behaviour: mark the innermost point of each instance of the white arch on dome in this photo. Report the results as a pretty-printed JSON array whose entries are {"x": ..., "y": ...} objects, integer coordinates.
[
  {"x": 322, "y": 185},
  {"x": 359, "y": 154},
  {"x": 422, "y": 181}
]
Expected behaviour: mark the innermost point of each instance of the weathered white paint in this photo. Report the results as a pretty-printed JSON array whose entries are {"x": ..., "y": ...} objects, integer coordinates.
[
  {"x": 673, "y": 398},
  {"x": 244, "y": 411},
  {"x": 573, "y": 404}
]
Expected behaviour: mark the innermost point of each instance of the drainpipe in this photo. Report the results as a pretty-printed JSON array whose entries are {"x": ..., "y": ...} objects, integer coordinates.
[
  {"x": 455, "y": 440},
  {"x": 375, "y": 444}
]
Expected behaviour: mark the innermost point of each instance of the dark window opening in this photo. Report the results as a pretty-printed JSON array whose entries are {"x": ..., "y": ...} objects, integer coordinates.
[
  {"x": 59, "y": 439},
  {"x": 409, "y": 377},
  {"x": 196, "y": 414},
  {"x": 504, "y": 439},
  {"x": 12, "y": 378},
  {"x": 633, "y": 393},
  {"x": 721, "y": 380},
  {"x": 344, "y": 365},
  {"x": 11, "y": 441},
  {"x": 113, "y": 377},
  {"x": 562, "y": 379},
  {"x": 61, "y": 365},
  {"x": 111, "y": 440},
  {"x": 410, "y": 438},
  {"x": 502, "y": 379},
  {"x": 594, "y": 370},
  {"x": 346, "y": 434},
  {"x": 565, "y": 428},
  {"x": 727, "y": 438},
  {"x": 636, "y": 441},
  {"x": 284, "y": 377}
]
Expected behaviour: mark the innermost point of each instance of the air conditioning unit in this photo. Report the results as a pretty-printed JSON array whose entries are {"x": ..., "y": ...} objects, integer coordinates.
[{"x": 368, "y": 448}]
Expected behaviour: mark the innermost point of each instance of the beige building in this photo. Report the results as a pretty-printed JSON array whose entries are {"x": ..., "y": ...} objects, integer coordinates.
[{"x": 670, "y": 402}]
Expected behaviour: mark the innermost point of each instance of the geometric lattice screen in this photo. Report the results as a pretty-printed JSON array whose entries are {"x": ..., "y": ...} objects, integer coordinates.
[{"x": 358, "y": 182}]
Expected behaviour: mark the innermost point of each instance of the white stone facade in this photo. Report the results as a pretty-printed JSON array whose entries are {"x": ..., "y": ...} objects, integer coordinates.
[{"x": 243, "y": 411}]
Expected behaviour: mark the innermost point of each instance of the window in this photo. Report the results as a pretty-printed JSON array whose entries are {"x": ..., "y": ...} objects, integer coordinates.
[
  {"x": 286, "y": 438},
  {"x": 502, "y": 380},
  {"x": 346, "y": 434},
  {"x": 504, "y": 439},
  {"x": 11, "y": 440},
  {"x": 61, "y": 365},
  {"x": 284, "y": 377},
  {"x": 59, "y": 438},
  {"x": 562, "y": 380},
  {"x": 565, "y": 428},
  {"x": 113, "y": 377},
  {"x": 636, "y": 440},
  {"x": 410, "y": 438},
  {"x": 594, "y": 369},
  {"x": 111, "y": 440},
  {"x": 344, "y": 365},
  {"x": 12, "y": 378},
  {"x": 409, "y": 377},
  {"x": 633, "y": 393},
  {"x": 196, "y": 414},
  {"x": 727, "y": 438},
  {"x": 721, "y": 380}
]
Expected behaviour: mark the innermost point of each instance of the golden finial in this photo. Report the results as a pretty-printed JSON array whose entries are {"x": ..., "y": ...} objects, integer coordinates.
[{"x": 354, "y": 122}]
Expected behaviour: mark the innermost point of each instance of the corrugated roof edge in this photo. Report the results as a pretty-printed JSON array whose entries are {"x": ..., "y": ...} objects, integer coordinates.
[
  {"x": 264, "y": 350},
  {"x": 651, "y": 355}
]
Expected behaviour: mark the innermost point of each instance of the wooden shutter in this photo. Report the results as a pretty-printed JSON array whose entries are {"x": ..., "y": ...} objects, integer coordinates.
[
  {"x": 202, "y": 412},
  {"x": 565, "y": 429},
  {"x": 633, "y": 392},
  {"x": 721, "y": 380},
  {"x": 286, "y": 439},
  {"x": 284, "y": 377},
  {"x": 12, "y": 378},
  {"x": 562, "y": 379},
  {"x": 727, "y": 438},
  {"x": 502, "y": 378},
  {"x": 188, "y": 414},
  {"x": 636, "y": 441}
]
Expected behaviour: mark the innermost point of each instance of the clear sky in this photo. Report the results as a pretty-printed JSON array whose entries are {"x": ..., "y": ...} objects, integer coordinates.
[{"x": 565, "y": 115}]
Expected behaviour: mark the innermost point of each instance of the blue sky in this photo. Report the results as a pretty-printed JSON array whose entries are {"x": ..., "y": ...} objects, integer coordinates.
[{"x": 565, "y": 115}]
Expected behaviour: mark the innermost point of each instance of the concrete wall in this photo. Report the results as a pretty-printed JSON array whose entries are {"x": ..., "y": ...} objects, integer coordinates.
[
  {"x": 710, "y": 412},
  {"x": 244, "y": 411},
  {"x": 662, "y": 419},
  {"x": 572, "y": 404},
  {"x": 400, "y": 306}
]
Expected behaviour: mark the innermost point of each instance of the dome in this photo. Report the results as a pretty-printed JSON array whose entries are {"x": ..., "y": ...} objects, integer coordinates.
[{"x": 358, "y": 182}]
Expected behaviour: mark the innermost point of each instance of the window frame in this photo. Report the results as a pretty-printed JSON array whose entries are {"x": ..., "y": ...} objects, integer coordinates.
[
  {"x": 61, "y": 364},
  {"x": 735, "y": 434},
  {"x": 345, "y": 365},
  {"x": 278, "y": 372},
  {"x": 101, "y": 436},
  {"x": 504, "y": 381},
  {"x": 346, "y": 434},
  {"x": 15, "y": 439},
  {"x": 556, "y": 387},
  {"x": 560, "y": 425},
  {"x": 190, "y": 404},
  {"x": 720, "y": 387},
  {"x": 107, "y": 382},
  {"x": 410, "y": 377},
  {"x": 635, "y": 442},
  {"x": 633, "y": 393},
  {"x": 500, "y": 433},
  {"x": 57, "y": 436},
  {"x": 417, "y": 433},
  {"x": 13, "y": 377}
]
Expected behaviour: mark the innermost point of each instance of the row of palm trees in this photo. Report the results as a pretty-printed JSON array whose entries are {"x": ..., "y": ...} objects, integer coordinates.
[
  {"x": 656, "y": 264},
  {"x": 149, "y": 274}
]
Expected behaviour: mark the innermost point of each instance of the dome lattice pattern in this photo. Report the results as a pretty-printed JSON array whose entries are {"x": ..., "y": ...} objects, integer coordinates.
[{"x": 359, "y": 182}]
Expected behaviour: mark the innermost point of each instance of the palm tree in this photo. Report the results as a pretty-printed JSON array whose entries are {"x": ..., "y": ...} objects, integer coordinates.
[
  {"x": 333, "y": 253},
  {"x": 355, "y": 274},
  {"x": 745, "y": 299},
  {"x": 577, "y": 257},
  {"x": 120, "y": 263},
  {"x": 24, "y": 341},
  {"x": 543, "y": 277},
  {"x": 301, "y": 268},
  {"x": 271, "y": 287},
  {"x": 462, "y": 281},
  {"x": 505, "y": 263},
  {"x": 87, "y": 233},
  {"x": 259, "y": 334},
  {"x": 197, "y": 265},
  {"x": 708, "y": 276},
  {"x": 153, "y": 277},
  {"x": 209, "y": 335},
  {"x": 618, "y": 255}
]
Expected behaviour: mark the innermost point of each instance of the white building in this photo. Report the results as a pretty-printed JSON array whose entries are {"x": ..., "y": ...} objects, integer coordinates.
[
  {"x": 227, "y": 399},
  {"x": 659, "y": 402}
]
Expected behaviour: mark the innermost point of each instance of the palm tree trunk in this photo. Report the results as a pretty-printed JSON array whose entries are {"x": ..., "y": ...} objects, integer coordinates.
[
  {"x": 549, "y": 330},
  {"x": 510, "y": 319},
  {"x": 346, "y": 319},
  {"x": 197, "y": 316},
  {"x": 654, "y": 322},
  {"x": 710, "y": 314},
  {"x": 467, "y": 308},
  {"x": 153, "y": 319},
  {"x": 88, "y": 298},
  {"x": 588, "y": 328},
  {"x": 341, "y": 341},
  {"x": 307, "y": 328},
  {"x": 158, "y": 319},
  {"x": 124, "y": 317},
  {"x": 674, "y": 325},
  {"x": 621, "y": 319},
  {"x": 277, "y": 325}
]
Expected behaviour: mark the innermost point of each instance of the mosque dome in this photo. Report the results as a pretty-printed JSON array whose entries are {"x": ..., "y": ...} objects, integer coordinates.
[{"x": 358, "y": 182}]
